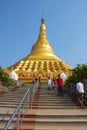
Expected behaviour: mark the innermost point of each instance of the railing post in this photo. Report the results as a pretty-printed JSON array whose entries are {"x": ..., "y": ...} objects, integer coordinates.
[
  {"x": 31, "y": 98},
  {"x": 28, "y": 102},
  {"x": 18, "y": 120}
]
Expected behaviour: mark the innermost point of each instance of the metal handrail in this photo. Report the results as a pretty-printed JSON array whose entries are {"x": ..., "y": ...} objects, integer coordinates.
[{"x": 28, "y": 97}]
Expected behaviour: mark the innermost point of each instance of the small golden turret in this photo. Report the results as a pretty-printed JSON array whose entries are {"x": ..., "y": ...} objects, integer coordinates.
[{"x": 41, "y": 61}]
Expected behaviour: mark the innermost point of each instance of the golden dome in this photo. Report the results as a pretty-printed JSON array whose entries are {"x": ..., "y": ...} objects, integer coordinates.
[{"x": 41, "y": 61}]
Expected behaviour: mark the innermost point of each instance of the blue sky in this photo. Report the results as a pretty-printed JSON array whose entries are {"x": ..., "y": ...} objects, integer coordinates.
[{"x": 66, "y": 23}]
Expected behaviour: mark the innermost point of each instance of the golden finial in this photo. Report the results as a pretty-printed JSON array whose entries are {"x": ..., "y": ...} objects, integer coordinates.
[{"x": 42, "y": 20}]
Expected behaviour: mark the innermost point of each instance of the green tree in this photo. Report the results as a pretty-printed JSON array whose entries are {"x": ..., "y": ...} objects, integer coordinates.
[
  {"x": 4, "y": 77},
  {"x": 79, "y": 72}
]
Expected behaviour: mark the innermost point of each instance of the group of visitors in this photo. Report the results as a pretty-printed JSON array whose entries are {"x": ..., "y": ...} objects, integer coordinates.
[
  {"x": 56, "y": 83},
  {"x": 36, "y": 80}
]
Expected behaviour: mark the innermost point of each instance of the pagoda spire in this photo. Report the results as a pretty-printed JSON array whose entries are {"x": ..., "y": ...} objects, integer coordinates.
[
  {"x": 43, "y": 20},
  {"x": 42, "y": 44},
  {"x": 42, "y": 33}
]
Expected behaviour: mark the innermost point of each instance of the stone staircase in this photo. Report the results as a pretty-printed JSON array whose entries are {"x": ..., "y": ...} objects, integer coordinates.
[
  {"x": 50, "y": 112},
  {"x": 8, "y": 104}
]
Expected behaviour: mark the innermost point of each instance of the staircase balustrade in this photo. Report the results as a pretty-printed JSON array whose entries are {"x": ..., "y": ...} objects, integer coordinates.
[{"x": 24, "y": 105}]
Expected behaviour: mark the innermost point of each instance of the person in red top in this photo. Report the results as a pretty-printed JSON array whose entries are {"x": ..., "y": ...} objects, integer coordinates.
[{"x": 60, "y": 86}]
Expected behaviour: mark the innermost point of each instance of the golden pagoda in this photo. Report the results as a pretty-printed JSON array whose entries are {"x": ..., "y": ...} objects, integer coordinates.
[{"x": 41, "y": 61}]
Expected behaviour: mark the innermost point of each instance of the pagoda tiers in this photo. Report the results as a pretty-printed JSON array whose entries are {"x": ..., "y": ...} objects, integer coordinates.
[{"x": 41, "y": 61}]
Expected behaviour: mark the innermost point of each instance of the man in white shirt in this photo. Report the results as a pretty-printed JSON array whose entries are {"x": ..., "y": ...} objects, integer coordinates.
[{"x": 80, "y": 89}]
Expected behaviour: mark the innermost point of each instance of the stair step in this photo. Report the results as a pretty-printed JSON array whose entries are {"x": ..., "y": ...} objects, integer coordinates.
[
  {"x": 54, "y": 107},
  {"x": 2, "y": 125},
  {"x": 53, "y": 127},
  {"x": 55, "y": 120}
]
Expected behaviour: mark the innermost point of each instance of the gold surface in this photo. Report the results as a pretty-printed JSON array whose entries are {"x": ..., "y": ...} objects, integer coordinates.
[{"x": 41, "y": 61}]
